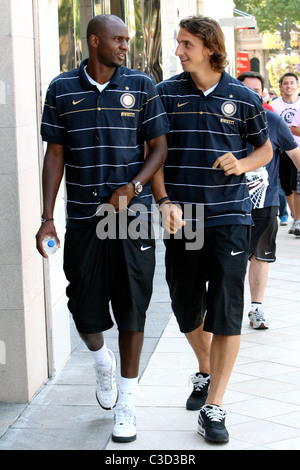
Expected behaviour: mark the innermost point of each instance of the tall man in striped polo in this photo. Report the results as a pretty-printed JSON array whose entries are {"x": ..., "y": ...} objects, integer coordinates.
[
  {"x": 96, "y": 120},
  {"x": 212, "y": 117}
]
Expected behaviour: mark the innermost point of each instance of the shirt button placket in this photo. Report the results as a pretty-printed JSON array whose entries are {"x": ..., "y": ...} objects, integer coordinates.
[
  {"x": 96, "y": 141},
  {"x": 98, "y": 119}
]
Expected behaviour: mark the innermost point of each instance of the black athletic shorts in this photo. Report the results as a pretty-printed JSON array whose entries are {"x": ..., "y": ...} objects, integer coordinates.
[
  {"x": 263, "y": 234},
  {"x": 103, "y": 271},
  {"x": 287, "y": 174},
  {"x": 209, "y": 282}
]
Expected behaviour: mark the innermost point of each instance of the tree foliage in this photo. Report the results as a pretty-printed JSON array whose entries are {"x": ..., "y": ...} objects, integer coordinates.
[
  {"x": 279, "y": 65},
  {"x": 269, "y": 13}
]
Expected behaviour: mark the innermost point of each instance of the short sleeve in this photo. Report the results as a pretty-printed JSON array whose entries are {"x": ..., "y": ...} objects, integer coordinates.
[
  {"x": 256, "y": 123},
  {"x": 154, "y": 121},
  {"x": 52, "y": 126},
  {"x": 285, "y": 137}
]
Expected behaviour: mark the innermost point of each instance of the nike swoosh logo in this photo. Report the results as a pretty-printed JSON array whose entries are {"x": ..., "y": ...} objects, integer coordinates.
[
  {"x": 144, "y": 248},
  {"x": 181, "y": 104},
  {"x": 268, "y": 252},
  {"x": 76, "y": 102},
  {"x": 234, "y": 253}
]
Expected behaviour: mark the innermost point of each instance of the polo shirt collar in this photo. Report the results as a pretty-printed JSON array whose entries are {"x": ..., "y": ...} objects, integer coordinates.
[
  {"x": 86, "y": 84},
  {"x": 220, "y": 90}
]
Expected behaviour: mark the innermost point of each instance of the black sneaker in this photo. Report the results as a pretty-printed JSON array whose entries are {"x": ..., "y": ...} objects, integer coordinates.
[
  {"x": 198, "y": 396},
  {"x": 211, "y": 424}
]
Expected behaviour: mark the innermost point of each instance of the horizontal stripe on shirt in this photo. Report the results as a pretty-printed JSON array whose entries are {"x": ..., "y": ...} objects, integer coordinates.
[
  {"x": 103, "y": 133},
  {"x": 203, "y": 128}
]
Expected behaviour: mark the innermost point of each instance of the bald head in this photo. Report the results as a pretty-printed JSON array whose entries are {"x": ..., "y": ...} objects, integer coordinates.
[
  {"x": 99, "y": 23},
  {"x": 107, "y": 38}
]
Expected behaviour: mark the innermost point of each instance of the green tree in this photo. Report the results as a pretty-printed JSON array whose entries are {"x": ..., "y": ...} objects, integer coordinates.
[
  {"x": 269, "y": 13},
  {"x": 279, "y": 65}
]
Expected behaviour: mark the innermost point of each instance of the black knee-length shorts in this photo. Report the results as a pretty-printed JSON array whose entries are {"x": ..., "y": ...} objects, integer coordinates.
[
  {"x": 209, "y": 282},
  {"x": 108, "y": 272}
]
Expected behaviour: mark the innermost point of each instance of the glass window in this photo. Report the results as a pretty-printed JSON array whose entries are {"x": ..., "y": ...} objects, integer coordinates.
[
  {"x": 69, "y": 34},
  {"x": 152, "y": 39},
  {"x": 144, "y": 24},
  {"x": 101, "y": 7}
]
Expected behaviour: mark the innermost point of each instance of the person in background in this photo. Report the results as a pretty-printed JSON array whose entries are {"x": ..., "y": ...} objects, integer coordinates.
[
  {"x": 212, "y": 116},
  {"x": 273, "y": 96},
  {"x": 266, "y": 99},
  {"x": 287, "y": 106},
  {"x": 263, "y": 188},
  {"x": 95, "y": 121},
  {"x": 295, "y": 128},
  {"x": 283, "y": 209}
]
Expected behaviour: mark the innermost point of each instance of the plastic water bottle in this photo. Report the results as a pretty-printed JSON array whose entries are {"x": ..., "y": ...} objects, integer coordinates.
[{"x": 50, "y": 245}]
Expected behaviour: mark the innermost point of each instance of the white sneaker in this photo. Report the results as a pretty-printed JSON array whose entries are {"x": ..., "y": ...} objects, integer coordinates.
[
  {"x": 257, "y": 319},
  {"x": 125, "y": 424},
  {"x": 107, "y": 391},
  {"x": 297, "y": 228},
  {"x": 292, "y": 229}
]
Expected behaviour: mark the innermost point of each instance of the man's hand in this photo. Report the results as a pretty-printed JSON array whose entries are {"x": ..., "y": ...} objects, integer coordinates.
[
  {"x": 171, "y": 216},
  {"x": 229, "y": 164},
  {"x": 121, "y": 197},
  {"x": 47, "y": 229}
]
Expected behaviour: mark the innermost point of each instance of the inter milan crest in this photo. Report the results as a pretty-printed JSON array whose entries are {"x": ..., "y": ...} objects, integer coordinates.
[
  {"x": 228, "y": 108},
  {"x": 127, "y": 100}
]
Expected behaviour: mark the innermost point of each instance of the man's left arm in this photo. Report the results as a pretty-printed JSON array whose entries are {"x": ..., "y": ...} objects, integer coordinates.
[
  {"x": 256, "y": 130},
  {"x": 157, "y": 154},
  {"x": 294, "y": 155},
  {"x": 295, "y": 130}
]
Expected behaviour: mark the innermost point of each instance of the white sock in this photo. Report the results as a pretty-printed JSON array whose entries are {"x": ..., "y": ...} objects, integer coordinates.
[
  {"x": 102, "y": 357},
  {"x": 127, "y": 390},
  {"x": 255, "y": 305}
]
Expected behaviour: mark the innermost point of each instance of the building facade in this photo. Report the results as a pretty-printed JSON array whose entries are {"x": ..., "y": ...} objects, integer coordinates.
[
  {"x": 38, "y": 40},
  {"x": 261, "y": 47}
]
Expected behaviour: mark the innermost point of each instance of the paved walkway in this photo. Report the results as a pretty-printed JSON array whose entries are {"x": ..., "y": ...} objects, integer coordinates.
[{"x": 262, "y": 399}]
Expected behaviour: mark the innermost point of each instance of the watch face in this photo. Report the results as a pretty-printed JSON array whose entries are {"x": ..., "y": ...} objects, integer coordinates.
[{"x": 138, "y": 188}]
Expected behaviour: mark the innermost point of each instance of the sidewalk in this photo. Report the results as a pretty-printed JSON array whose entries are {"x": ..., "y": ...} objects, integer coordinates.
[{"x": 262, "y": 399}]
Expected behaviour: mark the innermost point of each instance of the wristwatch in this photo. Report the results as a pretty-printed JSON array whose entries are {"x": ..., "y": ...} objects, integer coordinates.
[{"x": 138, "y": 188}]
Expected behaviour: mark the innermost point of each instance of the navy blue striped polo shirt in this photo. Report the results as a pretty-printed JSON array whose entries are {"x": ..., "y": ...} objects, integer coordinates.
[
  {"x": 103, "y": 134},
  {"x": 202, "y": 129}
]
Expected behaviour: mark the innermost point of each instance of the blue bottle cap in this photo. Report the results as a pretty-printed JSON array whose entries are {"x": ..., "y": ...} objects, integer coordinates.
[{"x": 51, "y": 243}]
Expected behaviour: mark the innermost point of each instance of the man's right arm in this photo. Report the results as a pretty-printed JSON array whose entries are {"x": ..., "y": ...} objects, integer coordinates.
[
  {"x": 171, "y": 214},
  {"x": 53, "y": 171}
]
